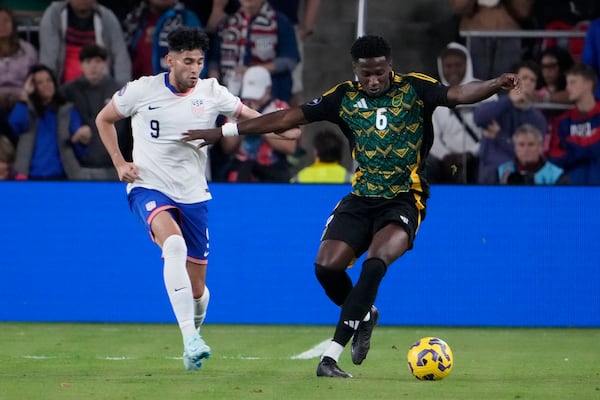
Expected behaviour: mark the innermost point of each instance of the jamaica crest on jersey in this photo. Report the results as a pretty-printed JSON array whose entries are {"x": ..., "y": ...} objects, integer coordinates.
[{"x": 197, "y": 107}]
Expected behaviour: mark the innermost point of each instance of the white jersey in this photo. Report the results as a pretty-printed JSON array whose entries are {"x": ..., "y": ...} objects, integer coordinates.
[{"x": 160, "y": 115}]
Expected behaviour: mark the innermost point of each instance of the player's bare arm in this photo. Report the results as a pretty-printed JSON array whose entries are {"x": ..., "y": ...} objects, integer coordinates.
[
  {"x": 281, "y": 122},
  {"x": 230, "y": 144},
  {"x": 105, "y": 122},
  {"x": 473, "y": 92}
]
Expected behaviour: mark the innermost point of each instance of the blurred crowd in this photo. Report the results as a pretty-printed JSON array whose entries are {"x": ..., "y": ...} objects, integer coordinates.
[{"x": 548, "y": 132}]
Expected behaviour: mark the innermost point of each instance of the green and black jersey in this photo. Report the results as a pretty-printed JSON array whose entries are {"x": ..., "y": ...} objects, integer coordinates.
[{"x": 389, "y": 135}]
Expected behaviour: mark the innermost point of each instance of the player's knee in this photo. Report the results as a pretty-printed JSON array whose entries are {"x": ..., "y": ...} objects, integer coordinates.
[
  {"x": 323, "y": 273},
  {"x": 174, "y": 246}
]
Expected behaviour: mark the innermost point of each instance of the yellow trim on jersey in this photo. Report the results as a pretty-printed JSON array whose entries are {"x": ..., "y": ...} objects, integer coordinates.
[
  {"x": 420, "y": 207},
  {"x": 333, "y": 89},
  {"x": 421, "y": 76}
]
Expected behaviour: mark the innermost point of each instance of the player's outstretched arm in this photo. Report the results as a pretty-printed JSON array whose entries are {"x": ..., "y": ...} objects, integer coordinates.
[
  {"x": 473, "y": 92},
  {"x": 278, "y": 121},
  {"x": 289, "y": 134}
]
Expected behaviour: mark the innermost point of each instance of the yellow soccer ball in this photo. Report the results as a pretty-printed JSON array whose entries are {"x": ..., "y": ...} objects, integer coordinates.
[{"x": 430, "y": 359}]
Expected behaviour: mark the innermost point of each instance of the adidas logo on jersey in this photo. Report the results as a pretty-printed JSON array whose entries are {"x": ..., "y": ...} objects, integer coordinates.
[{"x": 362, "y": 103}]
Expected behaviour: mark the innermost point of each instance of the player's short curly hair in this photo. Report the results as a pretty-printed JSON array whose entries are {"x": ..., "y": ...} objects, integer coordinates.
[
  {"x": 370, "y": 46},
  {"x": 184, "y": 38}
]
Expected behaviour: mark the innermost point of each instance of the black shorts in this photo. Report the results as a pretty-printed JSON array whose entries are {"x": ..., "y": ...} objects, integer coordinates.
[{"x": 355, "y": 220}]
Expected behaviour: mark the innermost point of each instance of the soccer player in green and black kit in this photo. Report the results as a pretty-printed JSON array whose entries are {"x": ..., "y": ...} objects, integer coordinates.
[{"x": 386, "y": 117}]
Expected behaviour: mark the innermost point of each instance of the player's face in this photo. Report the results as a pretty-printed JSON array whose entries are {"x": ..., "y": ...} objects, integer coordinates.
[
  {"x": 186, "y": 67},
  {"x": 373, "y": 74},
  {"x": 527, "y": 149}
]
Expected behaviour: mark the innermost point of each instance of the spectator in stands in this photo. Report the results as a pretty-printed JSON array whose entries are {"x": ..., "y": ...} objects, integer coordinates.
[
  {"x": 259, "y": 158},
  {"x": 212, "y": 12},
  {"x": 501, "y": 118},
  {"x": 327, "y": 167},
  {"x": 568, "y": 16},
  {"x": 119, "y": 7},
  {"x": 575, "y": 141},
  {"x": 255, "y": 35},
  {"x": 146, "y": 29},
  {"x": 456, "y": 146},
  {"x": 68, "y": 25},
  {"x": 492, "y": 56},
  {"x": 304, "y": 25},
  {"x": 51, "y": 136},
  {"x": 16, "y": 56},
  {"x": 571, "y": 12},
  {"x": 7, "y": 159},
  {"x": 554, "y": 62},
  {"x": 530, "y": 167},
  {"x": 89, "y": 93},
  {"x": 591, "y": 50}
]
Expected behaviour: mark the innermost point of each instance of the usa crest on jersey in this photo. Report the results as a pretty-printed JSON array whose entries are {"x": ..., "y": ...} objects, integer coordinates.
[{"x": 197, "y": 106}]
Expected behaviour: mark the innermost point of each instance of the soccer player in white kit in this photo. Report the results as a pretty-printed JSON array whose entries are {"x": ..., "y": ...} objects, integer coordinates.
[{"x": 167, "y": 188}]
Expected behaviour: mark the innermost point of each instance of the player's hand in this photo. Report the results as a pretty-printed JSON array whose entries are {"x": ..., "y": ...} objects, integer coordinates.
[
  {"x": 128, "y": 172},
  {"x": 209, "y": 136},
  {"x": 509, "y": 82}
]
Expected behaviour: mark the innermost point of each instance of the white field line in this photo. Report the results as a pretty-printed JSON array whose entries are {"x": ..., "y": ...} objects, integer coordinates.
[
  {"x": 39, "y": 357},
  {"x": 313, "y": 352}
]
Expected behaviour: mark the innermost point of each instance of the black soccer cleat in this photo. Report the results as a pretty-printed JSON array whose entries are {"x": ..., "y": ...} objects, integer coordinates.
[
  {"x": 361, "y": 342},
  {"x": 329, "y": 368}
]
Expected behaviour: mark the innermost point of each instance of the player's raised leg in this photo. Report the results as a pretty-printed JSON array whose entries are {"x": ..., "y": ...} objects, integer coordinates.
[{"x": 167, "y": 234}]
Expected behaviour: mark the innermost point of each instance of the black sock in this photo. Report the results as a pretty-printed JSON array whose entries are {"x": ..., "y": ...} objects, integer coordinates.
[
  {"x": 337, "y": 284},
  {"x": 360, "y": 299}
]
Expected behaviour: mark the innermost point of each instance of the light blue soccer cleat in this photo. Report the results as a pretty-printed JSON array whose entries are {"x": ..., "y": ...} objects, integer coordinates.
[{"x": 195, "y": 351}]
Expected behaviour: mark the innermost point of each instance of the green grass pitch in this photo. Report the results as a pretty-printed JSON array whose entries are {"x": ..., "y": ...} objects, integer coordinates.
[{"x": 143, "y": 361}]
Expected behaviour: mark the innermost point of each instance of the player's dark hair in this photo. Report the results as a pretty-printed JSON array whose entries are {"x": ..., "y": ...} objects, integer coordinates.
[
  {"x": 184, "y": 38},
  {"x": 328, "y": 146},
  {"x": 370, "y": 46}
]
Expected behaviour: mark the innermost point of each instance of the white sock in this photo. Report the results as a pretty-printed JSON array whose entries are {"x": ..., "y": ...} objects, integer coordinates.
[
  {"x": 334, "y": 350},
  {"x": 177, "y": 283},
  {"x": 200, "y": 306}
]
